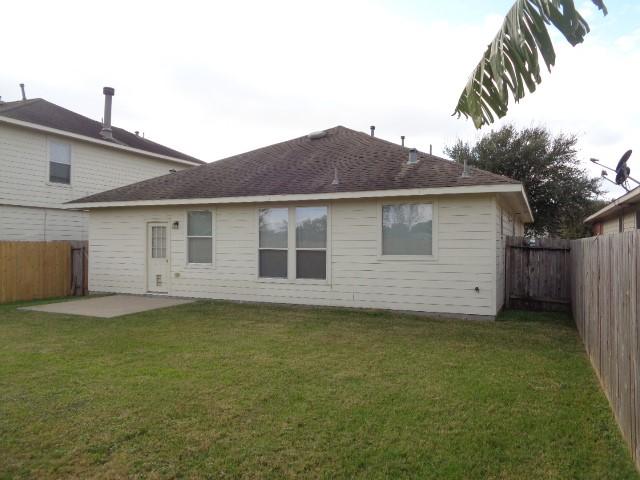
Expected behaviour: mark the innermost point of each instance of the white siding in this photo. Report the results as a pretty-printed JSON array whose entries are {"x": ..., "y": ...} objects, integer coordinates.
[
  {"x": 24, "y": 163},
  {"x": 41, "y": 224},
  {"x": 358, "y": 277},
  {"x": 612, "y": 225}
]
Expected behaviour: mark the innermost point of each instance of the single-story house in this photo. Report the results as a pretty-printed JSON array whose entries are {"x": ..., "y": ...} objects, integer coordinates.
[
  {"x": 621, "y": 215},
  {"x": 336, "y": 217}
]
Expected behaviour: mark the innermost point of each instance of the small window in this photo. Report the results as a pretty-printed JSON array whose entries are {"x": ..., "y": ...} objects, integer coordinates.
[
  {"x": 621, "y": 223},
  {"x": 273, "y": 242},
  {"x": 158, "y": 242},
  {"x": 407, "y": 229},
  {"x": 200, "y": 237},
  {"x": 311, "y": 242},
  {"x": 638, "y": 219},
  {"x": 59, "y": 162}
]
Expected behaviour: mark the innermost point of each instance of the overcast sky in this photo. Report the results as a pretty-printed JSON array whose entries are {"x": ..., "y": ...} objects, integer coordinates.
[{"x": 213, "y": 79}]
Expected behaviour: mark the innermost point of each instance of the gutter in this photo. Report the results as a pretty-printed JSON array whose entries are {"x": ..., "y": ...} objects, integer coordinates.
[{"x": 413, "y": 192}]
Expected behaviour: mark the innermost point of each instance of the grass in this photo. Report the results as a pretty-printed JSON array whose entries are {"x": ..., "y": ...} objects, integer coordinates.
[{"x": 220, "y": 390}]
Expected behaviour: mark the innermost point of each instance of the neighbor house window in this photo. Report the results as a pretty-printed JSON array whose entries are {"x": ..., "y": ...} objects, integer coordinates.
[
  {"x": 273, "y": 242},
  {"x": 407, "y": 229},
  {"x": 311, "y": 242},
  {"x": 638, "y": 219},
  {"x": 621, "y": 223},
  {"x": 59, "y": 162},
  {"x": 199, "y": 237}
]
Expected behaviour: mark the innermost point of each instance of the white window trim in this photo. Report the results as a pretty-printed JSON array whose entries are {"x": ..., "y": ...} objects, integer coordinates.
[
  {"x": 434, "y": 231},
  {"x": 291, "y": 246},
  {"x": 214, "y": 230},
  {"x": 47, "y": 179}
]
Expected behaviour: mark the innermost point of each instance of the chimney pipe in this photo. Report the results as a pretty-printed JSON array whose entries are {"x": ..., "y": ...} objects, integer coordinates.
[
  {"x": 430, "y": 149},
  {"x": 24, "y": 96},
  {"x": 402, "y": 139},
  {"x": 373, "y": 130},
  {"x": 413, "y": 156},
  {"x": 465, "y": 169},
  {"x": 106, "y": 124}
]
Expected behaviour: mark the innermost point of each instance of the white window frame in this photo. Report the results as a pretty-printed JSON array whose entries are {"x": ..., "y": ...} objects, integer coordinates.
[
  {"x": 48, "y": 180},
  {"x": 212, "y": 237},
  {"x": 434, "y": 230},
  {"x": 292, "y": 247},
  {"x": 274, "y": 279}
]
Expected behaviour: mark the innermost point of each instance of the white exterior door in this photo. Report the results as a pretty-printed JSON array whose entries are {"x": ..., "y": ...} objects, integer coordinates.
[{"x": 157, "y": 258}]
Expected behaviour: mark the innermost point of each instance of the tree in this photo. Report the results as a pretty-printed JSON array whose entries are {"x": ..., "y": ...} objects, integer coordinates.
[
  {"x": 510, "y": 62},
  {"x": 561, "y": 194}
]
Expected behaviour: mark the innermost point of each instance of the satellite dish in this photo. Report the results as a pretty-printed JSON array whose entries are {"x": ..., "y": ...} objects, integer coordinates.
[{"x": 622, "y": 170}]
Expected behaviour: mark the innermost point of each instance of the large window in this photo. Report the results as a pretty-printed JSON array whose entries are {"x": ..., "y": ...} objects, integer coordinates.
[
  {"x": 299, "y": 252},
  {"x": 273, "y": 242},
  {"x": 407, "y": 229},
  {"x": 199, "y": 237},
  {"x": 59, "y": 162},
  {"x": 311, "y": 242}
]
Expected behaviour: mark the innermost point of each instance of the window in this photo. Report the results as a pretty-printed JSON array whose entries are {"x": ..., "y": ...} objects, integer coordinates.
[
  {"x": 407, "y": 229},
  {"x": 158, "y": 242},
  {"x": 621, "y": 223},
  {"x": 199, "y": 237},
  {"x": 273, "y": 242},
  {"x": 59, "y": 162},
  {"x": 638, "y": 219},
  {"x": 311, "y": 242}
]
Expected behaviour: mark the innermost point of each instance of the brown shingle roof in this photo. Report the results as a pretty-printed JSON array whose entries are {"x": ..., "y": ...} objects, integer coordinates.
[
  {"x": 47, "y": 114},
  {"x": 304, "y": 166}
]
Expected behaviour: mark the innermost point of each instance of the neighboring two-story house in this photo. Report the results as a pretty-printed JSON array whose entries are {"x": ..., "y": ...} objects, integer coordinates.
[{"x": 50, "y": 155}]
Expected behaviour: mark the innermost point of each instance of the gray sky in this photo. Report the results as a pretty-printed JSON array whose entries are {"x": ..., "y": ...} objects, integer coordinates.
[{"x": 213, "y": 79}]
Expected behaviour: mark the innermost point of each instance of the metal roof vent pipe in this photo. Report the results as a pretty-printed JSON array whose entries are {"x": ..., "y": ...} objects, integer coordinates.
[
  {"x": 373, "y": 130},
  {"x": 413, "y": 156},
  {"x": 402, "y": 139},
  {"x": 106, "y": 123},
  {"x": 24, "y": 95},
  {"x": 465, "y": 169}
]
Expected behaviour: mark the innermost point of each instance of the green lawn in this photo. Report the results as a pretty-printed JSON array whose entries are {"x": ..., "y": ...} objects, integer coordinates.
[{"x": 220, "y": 390}]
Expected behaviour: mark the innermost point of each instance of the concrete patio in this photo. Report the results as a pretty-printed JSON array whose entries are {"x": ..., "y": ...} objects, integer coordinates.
[{"x": 109, "y": 306}]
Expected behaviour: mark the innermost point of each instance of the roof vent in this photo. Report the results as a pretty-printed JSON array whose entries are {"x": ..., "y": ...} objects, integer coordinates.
[
  {"x": 24, "y": 95},
  {"x": 413, "y": 156},
  {"x": 335, "y": 176},
  {"x": 402, "y": 139},
  {"x": 373, "y": 130},
  {"x": 317, "y": 135}
]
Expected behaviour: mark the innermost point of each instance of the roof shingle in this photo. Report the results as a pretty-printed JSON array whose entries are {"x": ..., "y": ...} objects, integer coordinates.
[
  {"x": 305, "y": 166},
  {"x": 47, "y": 114}
]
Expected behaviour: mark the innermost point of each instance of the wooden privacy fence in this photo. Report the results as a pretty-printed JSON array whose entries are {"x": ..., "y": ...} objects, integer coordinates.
[
  {"x": 35, "y": 270},
  {"x": 537, "y": 275},
  {"x": 605, "y": 302}
]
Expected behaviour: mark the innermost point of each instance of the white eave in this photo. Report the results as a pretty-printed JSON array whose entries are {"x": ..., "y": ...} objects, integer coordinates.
[
  {"x": 514, "y": 191},
  {"x": 83, "y": 138},
  {"x": 628, "y": 198}
]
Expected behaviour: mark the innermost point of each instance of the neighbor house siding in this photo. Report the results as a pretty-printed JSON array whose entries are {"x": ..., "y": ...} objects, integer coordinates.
[
  {"x": 24, "y": 158},
  {"x": 42, "y": 224},
  {"x": 612, "y": 225},
  {"x": 357, "y": 276}
]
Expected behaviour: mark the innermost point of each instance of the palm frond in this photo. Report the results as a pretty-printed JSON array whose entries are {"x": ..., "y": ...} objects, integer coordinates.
[{"x": 511, "y": 61}]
